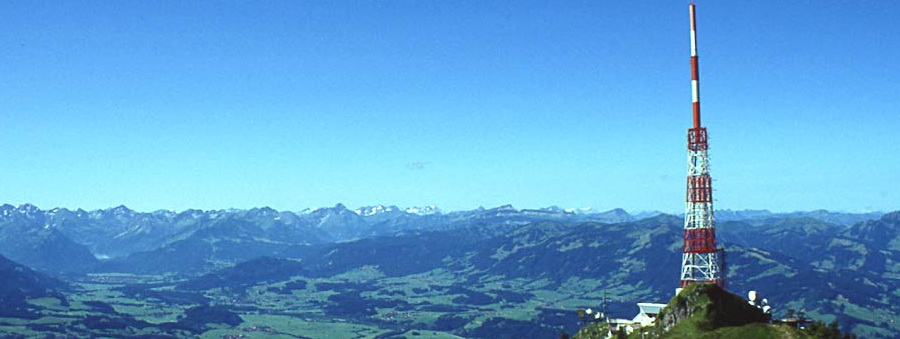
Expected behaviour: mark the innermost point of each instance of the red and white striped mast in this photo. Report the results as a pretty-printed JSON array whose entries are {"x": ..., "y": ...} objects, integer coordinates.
[{"x": 701, "y": 259}]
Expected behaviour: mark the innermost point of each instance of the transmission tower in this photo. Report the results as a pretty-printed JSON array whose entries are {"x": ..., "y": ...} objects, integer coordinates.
[{"x": 701, "y": 260}]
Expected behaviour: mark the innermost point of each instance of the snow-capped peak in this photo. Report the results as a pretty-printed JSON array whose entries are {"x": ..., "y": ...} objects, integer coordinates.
[
  {"x": 430, "y": 209},
  {"x": 373, "y": 210},
  {"x": 581, "y": 210}
]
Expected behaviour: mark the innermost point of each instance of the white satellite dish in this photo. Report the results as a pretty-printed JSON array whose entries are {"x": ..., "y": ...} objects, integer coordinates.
[
  {"x": 589, "y": 311},
  {"x": 765, "y": 301},
  {"x": 767, "y": 308},
  {"x": 751, "y": 296}
]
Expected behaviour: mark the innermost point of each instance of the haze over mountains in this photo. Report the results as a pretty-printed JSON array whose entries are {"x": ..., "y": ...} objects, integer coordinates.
[
  {"x": 64, "y": 240},
  {"x": 541, "y": 262}
]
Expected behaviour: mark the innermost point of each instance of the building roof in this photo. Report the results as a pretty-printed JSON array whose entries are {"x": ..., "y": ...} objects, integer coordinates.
[{"x": 650, "y": 308}]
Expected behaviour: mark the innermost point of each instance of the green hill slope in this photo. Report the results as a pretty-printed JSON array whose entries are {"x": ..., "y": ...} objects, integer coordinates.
[
  {"x": 705, "y": 311},
  {"x": 708, "y": 311}
]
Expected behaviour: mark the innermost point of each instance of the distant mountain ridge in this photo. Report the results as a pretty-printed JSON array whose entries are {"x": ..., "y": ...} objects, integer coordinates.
[
  {"x": 839, "y": 218},
  {"x": 60, "y": 240}
]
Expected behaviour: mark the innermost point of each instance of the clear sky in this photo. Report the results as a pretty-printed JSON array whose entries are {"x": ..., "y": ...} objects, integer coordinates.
[{"x": 295, "y": 104}]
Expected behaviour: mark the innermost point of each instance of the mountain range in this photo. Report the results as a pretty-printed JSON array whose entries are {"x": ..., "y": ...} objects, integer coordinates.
[
  {"x": 812, "y": 261},
  {"x": 64, "y": 241},
  {"x": 118, "y": 232}
]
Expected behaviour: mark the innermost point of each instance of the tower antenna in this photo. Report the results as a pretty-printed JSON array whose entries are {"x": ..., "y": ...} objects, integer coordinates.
[{"x": 701, "y": 261}]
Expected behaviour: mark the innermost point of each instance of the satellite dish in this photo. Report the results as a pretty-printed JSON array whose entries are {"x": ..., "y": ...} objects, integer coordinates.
[
  {"x": 597, "y": 316},
  {"x": 767, "y": 308},
  {"x": 751, "y": 296},
  {"x": 589, "y": 311},
  {"x": 765, "y": 301}
]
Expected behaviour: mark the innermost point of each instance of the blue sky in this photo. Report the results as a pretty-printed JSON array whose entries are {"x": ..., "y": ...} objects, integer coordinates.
[{"x": 295, "y": 104}]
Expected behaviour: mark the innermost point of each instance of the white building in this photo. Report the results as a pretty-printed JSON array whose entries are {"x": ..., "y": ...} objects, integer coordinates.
[
  {"x": 646, "y": 317},
  {"x": 648, "y": 313}
]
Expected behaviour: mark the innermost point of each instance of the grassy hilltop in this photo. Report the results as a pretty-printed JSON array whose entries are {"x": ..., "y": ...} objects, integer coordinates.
[{"x": 708, "y": 311}]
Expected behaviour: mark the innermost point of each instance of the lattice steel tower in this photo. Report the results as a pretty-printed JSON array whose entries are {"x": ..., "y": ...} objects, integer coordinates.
[{"x": 702, "y": 261}]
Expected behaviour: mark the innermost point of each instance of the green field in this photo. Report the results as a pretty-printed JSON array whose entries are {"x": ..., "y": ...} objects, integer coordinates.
[{"x": 362, "y": 303}]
